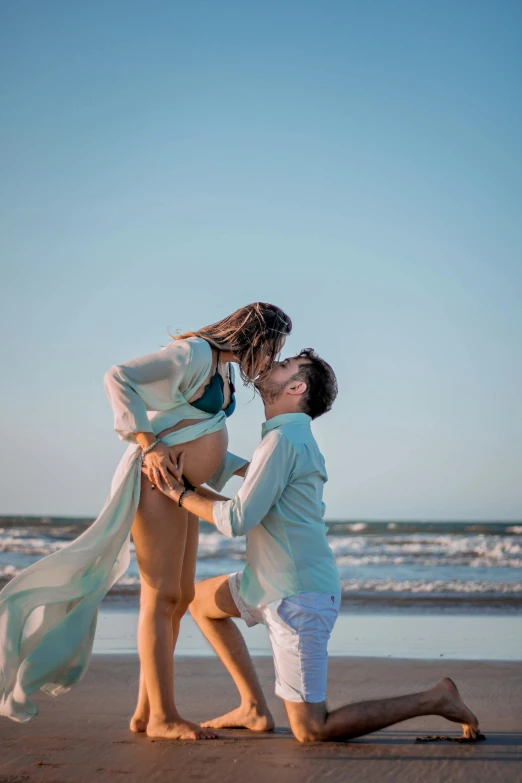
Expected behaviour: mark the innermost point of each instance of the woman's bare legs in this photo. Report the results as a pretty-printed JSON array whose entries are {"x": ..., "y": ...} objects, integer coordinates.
[
  {"x": 160, "y": 533},
  {"x": 141, "y": 715}
]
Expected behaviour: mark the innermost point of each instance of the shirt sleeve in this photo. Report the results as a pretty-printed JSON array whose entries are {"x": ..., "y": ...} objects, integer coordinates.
[
  {"x": 267, "y": 477},
  {"x": 149, "y": 382},
  {"x": 226, "y": 470}
]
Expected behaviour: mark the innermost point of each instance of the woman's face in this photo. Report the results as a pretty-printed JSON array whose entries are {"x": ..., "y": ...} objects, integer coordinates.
[{"x": 266, "y": 361}]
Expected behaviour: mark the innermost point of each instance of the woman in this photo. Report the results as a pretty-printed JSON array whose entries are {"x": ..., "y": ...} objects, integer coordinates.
[{"x": 48, "y": 613}]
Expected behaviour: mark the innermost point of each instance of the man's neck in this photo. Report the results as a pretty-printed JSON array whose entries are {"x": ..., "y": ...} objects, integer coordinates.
[{"x": 277, "y": 410}]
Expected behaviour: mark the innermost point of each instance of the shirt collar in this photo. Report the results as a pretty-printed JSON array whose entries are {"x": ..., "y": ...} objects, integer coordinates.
[{"x": 285, "y": 418}]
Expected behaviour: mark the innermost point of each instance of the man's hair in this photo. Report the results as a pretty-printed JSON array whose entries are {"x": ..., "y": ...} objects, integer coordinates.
[{"x": 320, "y": 381}]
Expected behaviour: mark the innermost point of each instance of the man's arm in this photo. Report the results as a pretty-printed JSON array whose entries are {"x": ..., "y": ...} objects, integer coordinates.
[
  {"x": 200, "y": 502},
  {"x": 268, "y": 475},
  {"x": 231, "y": 465},
  {"x": 204, "y": 492},
  {"x": 192, "y": 499},
  {"x": 242, "y": 471},
  {"x": 194, "y": 502}
]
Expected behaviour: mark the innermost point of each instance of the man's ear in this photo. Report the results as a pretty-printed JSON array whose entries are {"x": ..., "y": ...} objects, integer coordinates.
[{"x": 297, "y": 387}]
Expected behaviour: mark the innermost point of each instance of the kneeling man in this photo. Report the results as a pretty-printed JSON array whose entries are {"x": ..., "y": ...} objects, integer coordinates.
[{"x": 290, "y": 582}]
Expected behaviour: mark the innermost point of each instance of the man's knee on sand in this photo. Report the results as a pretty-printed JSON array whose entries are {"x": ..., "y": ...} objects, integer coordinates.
[
  {"x": 307, "y": 720},
  {"x": 308, "y": 733}
]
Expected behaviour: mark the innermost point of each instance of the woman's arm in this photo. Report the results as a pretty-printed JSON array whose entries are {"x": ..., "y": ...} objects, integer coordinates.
[
  {"x": 149, "y": 382},
  {"x": 144, "y": 439}
]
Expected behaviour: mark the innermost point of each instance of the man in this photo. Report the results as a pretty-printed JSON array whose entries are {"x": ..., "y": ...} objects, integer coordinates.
[{"x": 290, "y": 582}]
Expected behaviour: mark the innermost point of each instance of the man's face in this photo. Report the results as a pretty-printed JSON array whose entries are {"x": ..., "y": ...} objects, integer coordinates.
[
  {"x": 279, "y": 349},
  {"x": 280, "y": 376}
]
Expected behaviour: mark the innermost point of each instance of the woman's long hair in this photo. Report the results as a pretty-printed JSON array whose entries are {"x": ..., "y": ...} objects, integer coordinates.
[{"x": 252, "y": 333}]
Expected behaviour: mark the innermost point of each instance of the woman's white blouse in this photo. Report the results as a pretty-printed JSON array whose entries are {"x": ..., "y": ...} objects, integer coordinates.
[
  {"x": 151, "y": 393},
  {"x": 48, "y": 612}
]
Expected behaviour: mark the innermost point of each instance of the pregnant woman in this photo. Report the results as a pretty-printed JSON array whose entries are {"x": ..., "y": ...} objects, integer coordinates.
[{"x": 176, "y": 400}]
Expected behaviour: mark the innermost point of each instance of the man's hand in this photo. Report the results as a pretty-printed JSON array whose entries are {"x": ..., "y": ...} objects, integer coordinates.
[
  {"x": 197, "y": 504},
  {"x": 174, "y": 493},
  {"x": 176, "y": 487}
]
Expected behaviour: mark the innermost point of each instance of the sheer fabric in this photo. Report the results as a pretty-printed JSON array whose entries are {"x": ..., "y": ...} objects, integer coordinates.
[{"x": 48, "y": 612}]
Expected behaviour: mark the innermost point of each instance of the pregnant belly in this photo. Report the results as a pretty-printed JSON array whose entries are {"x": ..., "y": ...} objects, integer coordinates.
[{"x": 202, "y": 456}]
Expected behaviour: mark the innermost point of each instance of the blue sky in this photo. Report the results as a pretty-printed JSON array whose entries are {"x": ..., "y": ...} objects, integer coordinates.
[{"x": 358, "y": 164}]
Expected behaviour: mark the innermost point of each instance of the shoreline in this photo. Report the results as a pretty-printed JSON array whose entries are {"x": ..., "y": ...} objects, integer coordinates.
[
  {"x": 83, "y": 736},
  {"x": 383, "y": 602},
  {"x": 120, "y": 596},
  {"x": 421, "y": 636}
]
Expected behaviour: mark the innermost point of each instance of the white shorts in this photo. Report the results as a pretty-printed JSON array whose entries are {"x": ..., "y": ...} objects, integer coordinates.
[{"x": 299, "y": 628}]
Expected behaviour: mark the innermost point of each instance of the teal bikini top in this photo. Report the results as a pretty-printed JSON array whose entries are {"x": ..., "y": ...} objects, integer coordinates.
[{"x": 213, "y": 397}]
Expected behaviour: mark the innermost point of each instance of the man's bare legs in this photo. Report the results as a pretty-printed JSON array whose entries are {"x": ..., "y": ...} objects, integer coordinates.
[
  {"x": 313, "y": 723},
  {"x": 310, "y": 722},
  {"x": 212, "y": 609}
]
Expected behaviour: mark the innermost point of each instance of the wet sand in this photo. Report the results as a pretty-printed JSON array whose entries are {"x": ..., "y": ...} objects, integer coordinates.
[{"x": 83, "y": 736}]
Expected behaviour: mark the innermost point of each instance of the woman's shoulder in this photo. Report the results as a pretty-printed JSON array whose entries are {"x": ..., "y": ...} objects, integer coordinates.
[{"x": 191, "y": 350}]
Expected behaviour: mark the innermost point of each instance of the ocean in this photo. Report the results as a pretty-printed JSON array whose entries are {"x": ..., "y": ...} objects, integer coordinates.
[{"x": 471, "y": 565}]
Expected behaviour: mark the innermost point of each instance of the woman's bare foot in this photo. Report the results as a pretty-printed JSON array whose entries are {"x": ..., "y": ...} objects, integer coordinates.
[
  {"x": 138, "y": 722},
  {"x": 452, "y": 707},
  {"x": 178, "y": 730},
  {"x": 244, "y": 717}
]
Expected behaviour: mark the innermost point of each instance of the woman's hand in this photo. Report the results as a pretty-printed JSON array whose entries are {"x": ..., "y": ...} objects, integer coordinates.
[
  {"x": 174, "y": 489},
  {"x": 160, "y": 466}
]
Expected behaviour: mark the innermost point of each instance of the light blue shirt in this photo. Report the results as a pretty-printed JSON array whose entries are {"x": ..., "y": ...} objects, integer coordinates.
[{"x": 280, "y": 509}]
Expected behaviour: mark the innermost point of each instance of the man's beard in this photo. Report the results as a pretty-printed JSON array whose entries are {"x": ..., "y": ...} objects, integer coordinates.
[{"x": 271, "y": 390}]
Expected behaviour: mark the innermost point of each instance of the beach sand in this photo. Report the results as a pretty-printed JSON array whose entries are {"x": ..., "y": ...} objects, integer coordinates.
[{"x": 83, "y": 736}]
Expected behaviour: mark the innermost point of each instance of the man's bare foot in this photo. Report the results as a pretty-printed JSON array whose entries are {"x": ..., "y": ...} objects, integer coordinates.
[
  {"x": 178, "y": 730},
  {"x": 453, "y": 708},
  {"x": 244, "y": 717},
  {"x": 138, "y": 722}
]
